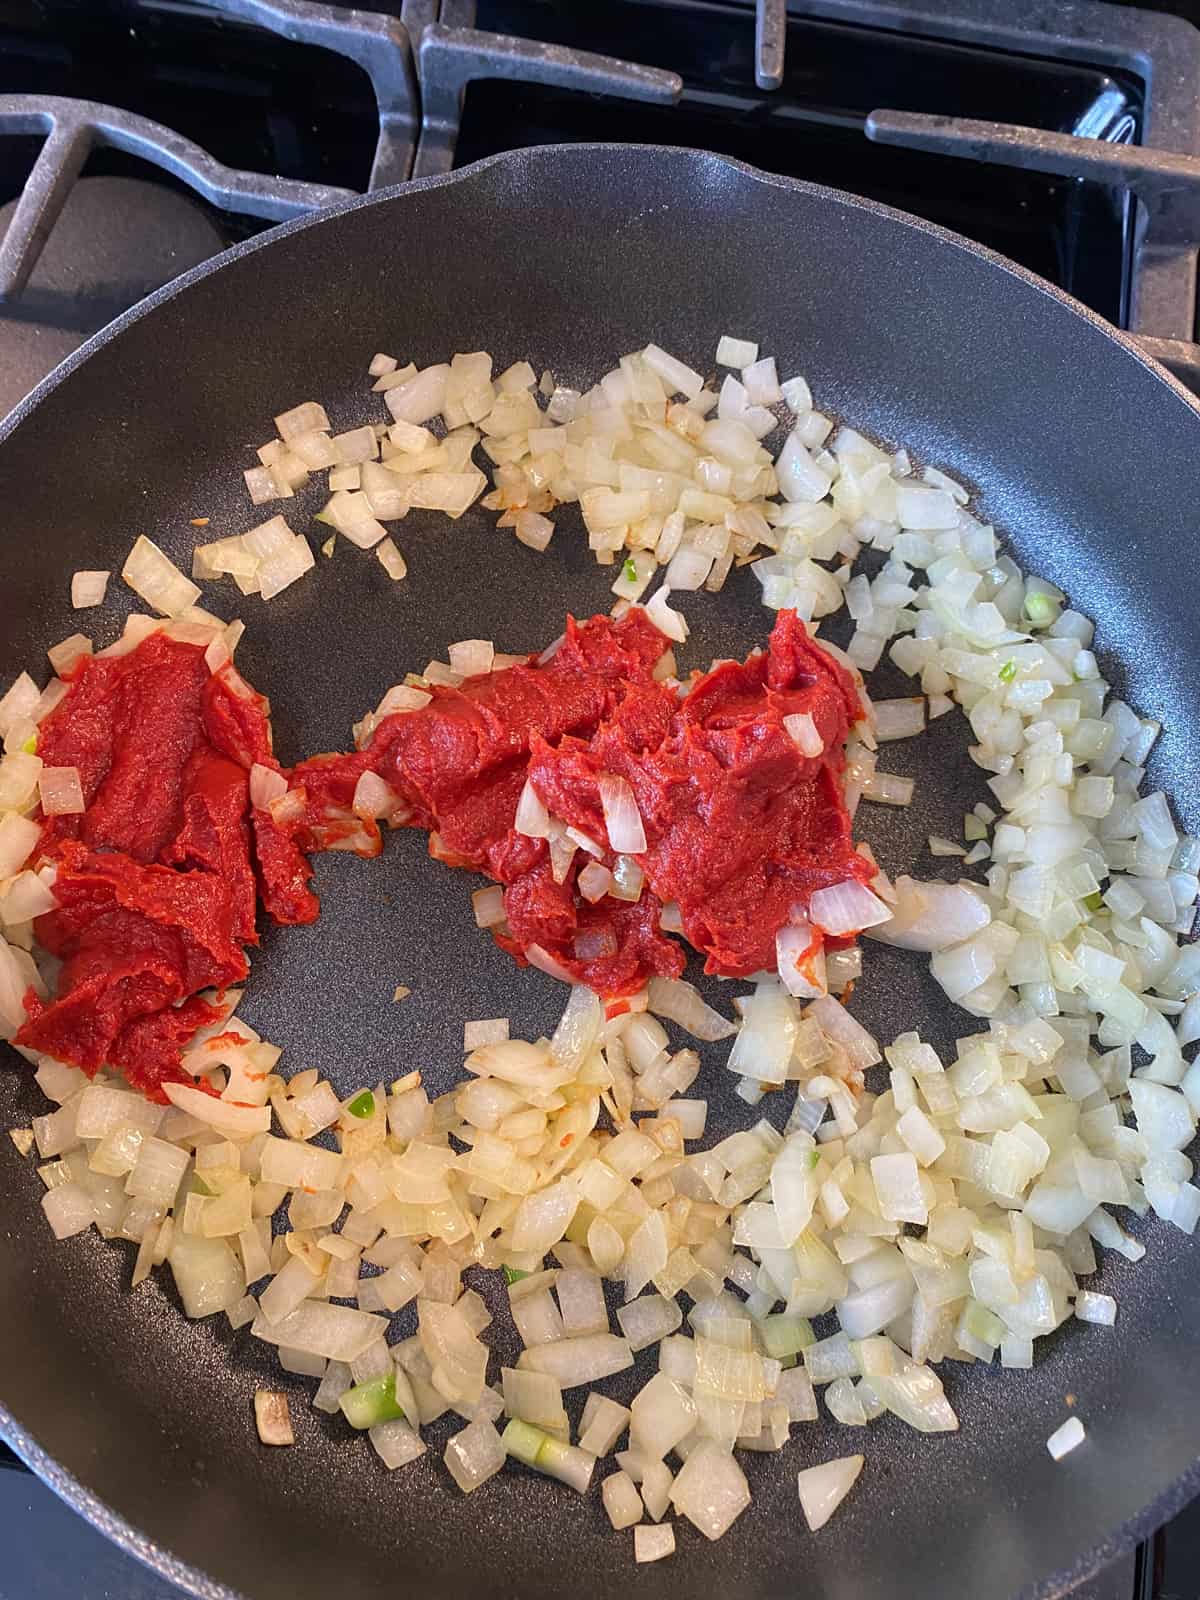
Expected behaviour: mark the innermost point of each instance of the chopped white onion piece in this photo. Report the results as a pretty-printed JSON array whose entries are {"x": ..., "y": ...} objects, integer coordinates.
[
  {"x": 472, "y": 657},
  {"x": 680, "y": 378},
  {"x": 373, "y": 797},
  {"x": 304, "y": 418},
  {"x": 532, "y": 818},
  {"x": 898, "y": 719},
  {"x": 235, "y": 1121},
  {"x": 61, "y": 791},
  {"x": 652, "y": 1542},
  {"x": 682, "y": 1003},
  {"x": 474, "y": 1455},
  {"x": 1065, "y": 1438},
  {"x": 622, "y": 819},
  {"x": 18, "y": 837},
  {"x": 159, "y": 582},
  {"x": 488, "y": 906},
  {"x": 885, "y": 788},
  {"x": 710, "y": 1489},
  {"x": 1097, "y": 1308},
  {"x": 800, "y": 960},
  {"x": 802, "y": 731},
  {"x": 622, "y": 1502},
  {"x": 594, "y": 882},
  {"x": 336, "y": 1332},
  {"x": 578, "y": 1361},
  {"x": 846, "y": 907},
  {"x": 396, "y": 1443},
  {"x": 668, "y": 621},
  {"x": 737, "y": 353},
  {"x": 823, "y": 1488},
  {"x": 88, "y": 588},
  {"x": 266, "y": 785},
  {"x": 532, "y": 529},
  {"x": 933, "y": 916},
  {"x": 272, "y": 1417},
  {"x": 69, "y": 1210},
  {"x": 24, "y": 897}
]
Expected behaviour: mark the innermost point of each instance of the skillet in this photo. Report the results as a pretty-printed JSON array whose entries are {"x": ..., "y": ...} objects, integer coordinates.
[{"x": 1082, "y": 451}]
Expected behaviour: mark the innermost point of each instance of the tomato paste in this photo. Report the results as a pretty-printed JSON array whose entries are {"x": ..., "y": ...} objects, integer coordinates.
[
  {"x": 156, "y": 878},
  {"x": 740, "y": 827}
]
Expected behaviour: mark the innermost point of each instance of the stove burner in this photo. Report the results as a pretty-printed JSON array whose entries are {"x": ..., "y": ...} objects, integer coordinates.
[
  {"x": 770, "y": 41},
  {"x": 115, "y": 241},
  {"x": 1167, "y": 186}
]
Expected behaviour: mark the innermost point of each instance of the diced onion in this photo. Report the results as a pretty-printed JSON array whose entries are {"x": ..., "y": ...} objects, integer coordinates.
[
  {"x": 681, "y": 379},
  {"x": 665, "y": 618},
  {"x": 272, "y": 1417},
  {"x": 18, "y": 703},
  {"x": 823, "y": 1488},
  {"x": 283, "y": 567},
  {"x": 532, "y": 818},
  {"x": 88, "y": 588},
  {"x": 69, "y": 1210},
  {"x": 159, "y": 582},
  {"x": 232, "y": 1120},
  {"x": 18, "y": 837},
  {"x": 336, "y": 1332},
  {"x": 1097, "y": 1308},
  {"x": 390, "y": 559},
  {"x": 800, "y": 960},
  {"x": 682, "y": 1003},
  {"x": 472, "y": 657},
  {"x": 533, "y": 529},
  {"x": 287, "y": 807},
  {"x": 761, "y": 381},
  {"x": 304, "y": 418},
  {"x": 802, "y": 731},
  {"x": 1065, "y": 1438},
  {"x": 653, "y": 1542},
  {"x": 887, "y": 789},
  {"x": 474, "y": 1455},
  {"x": 898, "y": 719},
  {"x": 710, "y": 1489},
  {"x": 837, "y": 1024},
  {"x": 846, "y": 908},
  {"x": 594, "y": 944},
  {"x": 24, "y": 897},
  {"x": 488, "y": 905},
  {"x": 545, "y": 962},
  {"x": 61, "y": 791},
  {"x": 622, "y": 818},
  {"x": 594, "y": 882},
  {"x": 577, "y": 1361},
  {"x": 266, "y": 785},
  {"x": 373, "y": 797},
  {"x": 932, "y": 916},
  {"x": 739, "y": 353},
  {"x": 628, "y": 879}
]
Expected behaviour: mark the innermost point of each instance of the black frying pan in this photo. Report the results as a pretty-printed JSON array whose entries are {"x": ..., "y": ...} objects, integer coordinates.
[{"x": 1086, "y": 454}]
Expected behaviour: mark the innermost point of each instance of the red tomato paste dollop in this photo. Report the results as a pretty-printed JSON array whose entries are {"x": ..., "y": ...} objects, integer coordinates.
[
  {"x": 741, "y": 828},
  {"x": 156, "y": 878}
]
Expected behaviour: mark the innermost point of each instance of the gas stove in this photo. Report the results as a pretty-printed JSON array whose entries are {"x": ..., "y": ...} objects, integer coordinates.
[{"x": 140, "y": 137}]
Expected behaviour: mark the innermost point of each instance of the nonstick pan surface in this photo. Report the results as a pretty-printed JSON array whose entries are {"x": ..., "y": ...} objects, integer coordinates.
[{"x": 1083, "y": 453}]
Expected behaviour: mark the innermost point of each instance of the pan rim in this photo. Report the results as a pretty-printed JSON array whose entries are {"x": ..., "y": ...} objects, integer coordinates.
[
  {"x": 91, "y": 1506},
  {"x": 530, "y": 153}
]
